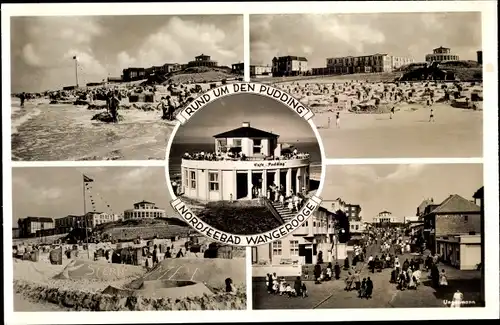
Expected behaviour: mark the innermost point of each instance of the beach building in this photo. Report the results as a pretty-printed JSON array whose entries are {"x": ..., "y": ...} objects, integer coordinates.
[
  {"x": 441, "y": 54},
  {"x": 289, "y": 66},
  {"x": 380, "y": 62},
  {"x": 260, "y": 70},
  {"x": 144, "y": 210},
  {"x": 202, "y": 61},
  {"x": 244, "y": 159},
  {"x": 133, "y": 74},
  {"x": 238, "y": 68},
  {"x": 455, "y": 216},
  {"x": 91, "y": 219},
  {"x": 30, "y": 225}
]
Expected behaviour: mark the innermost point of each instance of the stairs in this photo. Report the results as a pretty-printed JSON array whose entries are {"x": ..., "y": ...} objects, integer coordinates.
[{"x": 285, "y": 214}]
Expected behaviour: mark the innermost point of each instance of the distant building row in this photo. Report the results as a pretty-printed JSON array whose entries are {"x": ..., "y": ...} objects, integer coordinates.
[
  {"x": 133, "y": 74},
  {"x": 44, "y": 226}
]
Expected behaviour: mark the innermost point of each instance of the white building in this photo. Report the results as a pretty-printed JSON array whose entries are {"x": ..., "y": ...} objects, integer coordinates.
[
  {"x": 441, "y": 54},
  {"x": 144, "y": 210},
  {"x": 244, "y": 159},
  {"x": 260, "y": 70},
  {"x": 303, "y": 245},
  {"x": 357, "y": 227},
  {"x": 384, "y": 217},
  {"x": 460, "y": 251}
]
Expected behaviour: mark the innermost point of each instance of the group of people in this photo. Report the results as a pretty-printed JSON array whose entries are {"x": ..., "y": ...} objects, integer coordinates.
[
  {"x": 275, "y": 193},
  {"x": 364, "y": 287},
  {"x": 279, "y": 286}
]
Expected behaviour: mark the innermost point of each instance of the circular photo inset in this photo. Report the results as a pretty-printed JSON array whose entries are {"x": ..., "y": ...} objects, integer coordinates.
[{"x": 245, "y": 164}]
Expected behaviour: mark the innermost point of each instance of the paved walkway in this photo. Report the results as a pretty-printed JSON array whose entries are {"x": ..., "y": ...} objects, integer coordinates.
[{"x": 331, "y": 294}]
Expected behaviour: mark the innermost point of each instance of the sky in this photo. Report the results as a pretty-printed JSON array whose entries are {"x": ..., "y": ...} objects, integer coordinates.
[
  {"x": 58, "y": 191},
  {"x": 318, "y": 37},
  {"x": 399, "y": 188},
  {"x": 42, "y": 48},
  {"x": 230, "y": 112}
]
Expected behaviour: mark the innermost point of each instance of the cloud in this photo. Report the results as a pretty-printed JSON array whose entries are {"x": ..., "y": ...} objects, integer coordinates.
[
  {"x": 182, "y": 39},
  {"x": 406, "y": 172},
  {"x": 137, "y": 177},
  {"x": 320, "y": 36}
]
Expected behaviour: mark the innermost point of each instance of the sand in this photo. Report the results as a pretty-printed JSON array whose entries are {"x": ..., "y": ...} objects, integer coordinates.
[
  {"x": 211, "y": 272},
  {"x": 456, "y": 132}
]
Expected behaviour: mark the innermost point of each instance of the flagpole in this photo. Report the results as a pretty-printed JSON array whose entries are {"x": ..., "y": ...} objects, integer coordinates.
[
  {"x": 76, "y": 70},
  {"x": 85, "y": 218}
]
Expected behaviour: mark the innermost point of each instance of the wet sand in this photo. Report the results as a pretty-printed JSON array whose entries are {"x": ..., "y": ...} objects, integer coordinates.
[{"x": 455, "y": 133}]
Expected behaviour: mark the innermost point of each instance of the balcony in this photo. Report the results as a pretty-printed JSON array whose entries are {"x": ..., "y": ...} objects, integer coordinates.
[{"x": 254, "y": 163}]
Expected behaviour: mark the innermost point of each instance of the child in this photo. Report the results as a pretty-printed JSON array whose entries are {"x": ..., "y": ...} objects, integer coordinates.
[
  {"x": 276, "y": 286},
  {"x": 290, "y": 291},
  {"x": 304, "y": 290},
  {"x": 282, "y": 287}
]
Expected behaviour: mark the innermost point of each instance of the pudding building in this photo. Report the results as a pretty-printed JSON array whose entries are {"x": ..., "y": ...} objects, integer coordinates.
[{"x": 258, "y": 162}]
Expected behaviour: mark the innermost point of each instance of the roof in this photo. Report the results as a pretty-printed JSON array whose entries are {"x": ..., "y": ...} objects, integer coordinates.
[
  {"x": 144, "y": 202},
  {"x": 202, "y": 56},
  {"x": 291, "y": 58},
  {"x": 456, "y": 204},
  {"x": 479, "y": 194},
  {"x": 42, "y": 219},
  {"x": 246, "y": 132},
  {"x": 385, "y": 211}
]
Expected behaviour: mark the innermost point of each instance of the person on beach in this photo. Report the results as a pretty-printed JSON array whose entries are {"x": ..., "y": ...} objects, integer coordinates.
[
  {"x": 22, "y": 97},
  {"x": 431, "y": 117},
  {"x": 337, "y": 120},
  {"x": 391, "y": 114},
  {"x": 113, "y": 106}
]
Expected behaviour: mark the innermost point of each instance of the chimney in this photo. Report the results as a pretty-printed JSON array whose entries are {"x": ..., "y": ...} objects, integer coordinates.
[{"x": 245, "y": 124}]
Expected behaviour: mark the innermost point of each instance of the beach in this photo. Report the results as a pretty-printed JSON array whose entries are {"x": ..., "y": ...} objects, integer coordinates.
[{"x": 45, "y": 132}]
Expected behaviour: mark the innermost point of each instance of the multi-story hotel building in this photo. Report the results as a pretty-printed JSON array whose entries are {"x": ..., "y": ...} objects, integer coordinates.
[
  {"x": 29, "y": 226},
  {"x": 380, "y": 62},
  {"x": 91, "y": 220},
  {"x": 352, "y": 211},
  {"x": 244, "y": 158},
  {"x": 289, "y": 66},
  {"x": 144, "y": 210},
  {"x": 441, "y": 54},
  {"x": 302, "y": 247}
]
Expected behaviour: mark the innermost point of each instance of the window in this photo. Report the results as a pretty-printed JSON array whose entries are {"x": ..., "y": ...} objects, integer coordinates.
[
  {"x": 294, "y": 248},
  {"x": 277, "y": 248},
  {"x": 213, "y": 181},
  {"x": 466, "y": 218},
  {"x": 193, "y": 179},
  {"x": 222, "y": 144},
  {"x": 257, "y": 145}
]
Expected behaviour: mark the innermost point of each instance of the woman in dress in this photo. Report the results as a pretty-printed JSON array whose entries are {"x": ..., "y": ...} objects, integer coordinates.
[{"x": 443, "y": 280}]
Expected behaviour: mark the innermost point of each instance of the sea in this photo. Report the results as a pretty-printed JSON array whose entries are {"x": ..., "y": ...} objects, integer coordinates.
[
  {"x": 177, "y": 150},
  {"x": 47, "y": 132}
]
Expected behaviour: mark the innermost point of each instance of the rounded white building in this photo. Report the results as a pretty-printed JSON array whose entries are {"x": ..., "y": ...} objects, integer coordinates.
[
  {"x": 144, "y": 210},
  {"x": 441, "y": 54},
  {"x": 245, "y": 163}
]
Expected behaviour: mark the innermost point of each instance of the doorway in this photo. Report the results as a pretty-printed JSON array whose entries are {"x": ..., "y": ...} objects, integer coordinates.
[
  {"x": 308, "y": 255},
  {"x": 256, "y": 184},
  {"x": 241, "y": 185}
]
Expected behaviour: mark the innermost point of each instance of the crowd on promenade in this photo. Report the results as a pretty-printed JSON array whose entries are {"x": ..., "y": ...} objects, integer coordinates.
[{"x": 231, "y": 155}]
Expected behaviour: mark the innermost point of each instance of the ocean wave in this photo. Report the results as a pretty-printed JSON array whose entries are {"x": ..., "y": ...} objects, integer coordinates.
[{"x": 20, "y": 120}]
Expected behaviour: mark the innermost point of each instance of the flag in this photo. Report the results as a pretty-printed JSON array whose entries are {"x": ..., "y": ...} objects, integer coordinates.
[{"x": 87, "y": 179}]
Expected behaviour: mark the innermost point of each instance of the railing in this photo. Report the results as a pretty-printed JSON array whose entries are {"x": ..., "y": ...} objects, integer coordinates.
[
  {"x": 273, "y": 210},
  {"x": 255, "y": 158}
]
